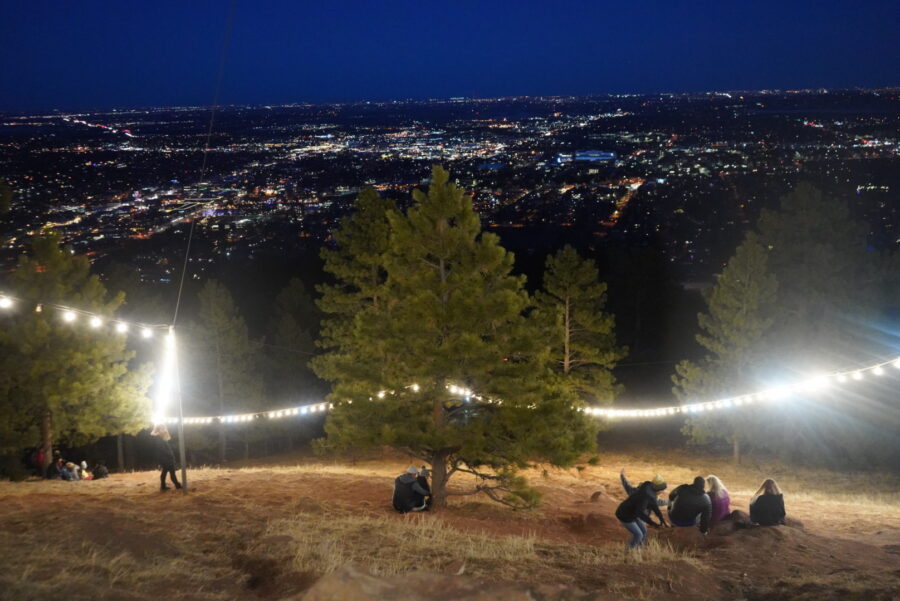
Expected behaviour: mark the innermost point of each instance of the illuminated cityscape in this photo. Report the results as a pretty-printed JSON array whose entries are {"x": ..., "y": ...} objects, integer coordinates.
[{"x": 684, "y": 174}]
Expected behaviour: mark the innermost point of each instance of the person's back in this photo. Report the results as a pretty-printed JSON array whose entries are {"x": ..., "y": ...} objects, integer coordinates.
[
  {"x": 637, "y": 504},
  {"x": 688, "y": 502},
  {"x": 767, "y": 510},
  {"x": 408, "y": 493},
  {"x": 100, "y": 471}
]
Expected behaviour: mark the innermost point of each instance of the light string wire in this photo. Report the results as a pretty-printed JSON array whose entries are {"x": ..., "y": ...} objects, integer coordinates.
[{"x": 808, "y": 385}]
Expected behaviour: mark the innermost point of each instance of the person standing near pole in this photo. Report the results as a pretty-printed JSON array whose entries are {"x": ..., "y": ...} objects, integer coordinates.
[{"x": 164, "y": 456}]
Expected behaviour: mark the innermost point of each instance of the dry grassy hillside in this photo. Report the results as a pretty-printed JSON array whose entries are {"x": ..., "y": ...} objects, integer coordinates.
[{"x": 269, "y": 531}]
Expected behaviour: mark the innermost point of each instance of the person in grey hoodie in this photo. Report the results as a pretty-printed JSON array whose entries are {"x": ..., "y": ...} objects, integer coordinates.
[{"x": 409, "y": 495}]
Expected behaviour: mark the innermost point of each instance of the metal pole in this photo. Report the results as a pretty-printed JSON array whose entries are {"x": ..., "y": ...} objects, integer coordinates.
[{"x": 177, "y": 383}]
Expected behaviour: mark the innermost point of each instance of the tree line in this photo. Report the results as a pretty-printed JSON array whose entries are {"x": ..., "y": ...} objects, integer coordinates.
[{"x": 432, "y": 345}]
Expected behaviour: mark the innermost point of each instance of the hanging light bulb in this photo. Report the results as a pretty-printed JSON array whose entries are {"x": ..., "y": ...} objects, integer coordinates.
[
  {"x": 878, "y": 371},
  {"x": 121, "y": 327},
  {"x": 69, "y": 316},
  {"x": 96, "y": 322},
  {"x": 5, "y": 302},
  {"x": 857, "y": 375},
  {"x": 39, "y": 308},
  {"x": 146, "y": 333}
]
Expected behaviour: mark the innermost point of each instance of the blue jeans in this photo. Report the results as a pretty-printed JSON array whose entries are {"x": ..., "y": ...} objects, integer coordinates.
[{"x": 638, "y": 533}]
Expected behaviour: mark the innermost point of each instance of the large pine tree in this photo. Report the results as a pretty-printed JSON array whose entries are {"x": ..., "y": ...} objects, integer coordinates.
[
  {"x": 64, "y": 381},
  {"x": 738, "y": 315},
  {"x": 229, "y": 359},
  {"x": 447, "y": 317},
  {"x": 582, "y": 337}
]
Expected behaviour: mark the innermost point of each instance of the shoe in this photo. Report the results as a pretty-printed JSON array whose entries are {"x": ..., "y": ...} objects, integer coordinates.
[
  {"x": 163, "y": 488},
  {"x": 177, "y": 486}
]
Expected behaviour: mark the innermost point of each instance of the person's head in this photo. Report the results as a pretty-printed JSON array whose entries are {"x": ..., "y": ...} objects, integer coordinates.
[
  {"x": 84, "y": 465},
  {"x": 699, "y": 484},
  {"x": 658, "y": 484},
  {"x": 70, "y": 465},
  {"x": 715, "y": 486},
  {"x": 423, "y": 472},
  {"x": 769, "y": 487},
  {"x": 161, "y": 431},
  {"x": 413, "y": 470}
]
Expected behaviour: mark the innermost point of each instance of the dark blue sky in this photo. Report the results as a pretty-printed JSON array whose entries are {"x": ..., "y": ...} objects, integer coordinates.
[{"x": 108, "y": 53}]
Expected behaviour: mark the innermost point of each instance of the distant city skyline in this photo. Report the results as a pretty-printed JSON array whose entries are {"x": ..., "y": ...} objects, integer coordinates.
[{"x": 98, "y": 55}]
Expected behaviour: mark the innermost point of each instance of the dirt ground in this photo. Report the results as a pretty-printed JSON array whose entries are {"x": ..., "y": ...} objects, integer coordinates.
[{"x": 269, "y": 531}]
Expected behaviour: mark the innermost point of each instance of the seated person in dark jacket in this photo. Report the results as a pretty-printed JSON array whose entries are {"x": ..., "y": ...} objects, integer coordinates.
[
  {"x": 689, "y": 502},
  {"x": 100, "y": 470},
  {"x": 634, "y": 511},
  {"x": 767, "y": 505},
  {"x": 409, "y": 495}
]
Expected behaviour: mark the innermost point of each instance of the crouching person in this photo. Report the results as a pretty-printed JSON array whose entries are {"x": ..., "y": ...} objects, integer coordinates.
[
  {"x": 633, "y": 512},
  {"x": 409, "y": 494}
]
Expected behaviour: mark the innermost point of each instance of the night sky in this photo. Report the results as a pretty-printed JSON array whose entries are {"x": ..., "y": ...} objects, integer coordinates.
[{"x": 108, "y": 53}]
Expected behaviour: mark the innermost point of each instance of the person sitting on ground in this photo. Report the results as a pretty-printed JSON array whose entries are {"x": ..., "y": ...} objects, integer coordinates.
[
  {"x": 55, "y": 469},
  {"x": 100, "y": 470},
  {"x": 69, "y": 472},
  {"x": 422, "y": 480},
  {"x": 164, "y": 456},
  {"x": 409, "y": 495},
  {"x": 633, "y": 512},
  {"x": 767, "y": 505},
  {"x": 660, "y": 501},
  {"x": 720, "y": 499},
  {"x": 85, "y": 472},
  {"x": 687, "y": 503}
]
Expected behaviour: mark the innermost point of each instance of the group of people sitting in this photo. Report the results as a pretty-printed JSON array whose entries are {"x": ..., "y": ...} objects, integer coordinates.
[
  {"x": 702, "y": 503},
  {"x": 60, "y": 469},
  {"x": 411, "y": 490}
]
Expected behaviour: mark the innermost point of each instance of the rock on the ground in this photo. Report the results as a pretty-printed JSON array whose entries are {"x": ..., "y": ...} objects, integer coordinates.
[{"x": 353, "y": 583}]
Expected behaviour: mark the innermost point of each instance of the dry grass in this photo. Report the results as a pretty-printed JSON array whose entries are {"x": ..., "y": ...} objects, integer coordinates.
[{"x": 321, "y": 544}]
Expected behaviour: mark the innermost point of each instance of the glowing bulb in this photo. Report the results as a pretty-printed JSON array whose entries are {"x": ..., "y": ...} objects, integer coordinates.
[
  {"x": 5, "y": 303},
  {"x": 842, "y": 378},
  {"x": 415, "y": 387},
  {"x": 96, "y": 322},
  {"x": 857, "y": 375},
  {"x": 69, "y": 316},
  {"x": 381, "y": 394},
  {"x": 897, "y": 363},
  {"x": 878, "y": 371},
  {"x": 146, "y": 333}
]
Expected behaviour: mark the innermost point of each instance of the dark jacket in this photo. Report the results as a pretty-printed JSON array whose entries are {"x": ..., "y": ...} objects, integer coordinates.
[
  {"x": 164, "y": 455},
  {"x": 767, "y": 510},
  {"x": 687, "y": 502},
  {"x": 100, "y": 471},
  {"x": 408, "y": 493},
  {"x": 636, "y": 506}
]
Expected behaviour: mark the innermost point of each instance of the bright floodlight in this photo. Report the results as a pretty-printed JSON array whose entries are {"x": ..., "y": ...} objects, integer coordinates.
[
  {"x": 815, "y": 383},
  {"x": 121, "y": 328},
  {"x": 69, "y": 316},
  {"x": 96, "y": 322},
  {"x": 5, "y": 303}
]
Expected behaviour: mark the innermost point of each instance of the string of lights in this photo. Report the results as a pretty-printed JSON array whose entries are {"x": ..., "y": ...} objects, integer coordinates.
[
  {"x": 809, "y": 385},
  {"x": 73, "y": 314},
  {"x": 812, "y": 384}
]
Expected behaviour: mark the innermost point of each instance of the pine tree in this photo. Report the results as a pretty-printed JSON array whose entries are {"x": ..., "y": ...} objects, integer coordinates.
[
  {"x": 829, "y": 282},
  {"x": 583, "y": 349},
  {"x": 60, "y": 381},
  {"x": 291, "y": 342},
  {"x": 447, "y": 317},
  {"x": 738, "y": 316},
  {"x": 229, "y": 357}
]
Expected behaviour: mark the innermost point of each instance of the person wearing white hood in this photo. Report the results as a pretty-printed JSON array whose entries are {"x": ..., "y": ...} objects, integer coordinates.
[{"x": 409, "y": 495}]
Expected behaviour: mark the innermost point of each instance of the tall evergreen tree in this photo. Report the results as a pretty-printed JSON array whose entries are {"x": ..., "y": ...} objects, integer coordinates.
[
  {"x": 292, "y": 333},
  {"x": 448, "y": 314},
  {"x": 230, "y": 358},
  {"x": 829, "y": 283},
  {"x": 583, "y": 342},
  {"x": 739, "y": 309},
  {"x": 60, "y": 381}
]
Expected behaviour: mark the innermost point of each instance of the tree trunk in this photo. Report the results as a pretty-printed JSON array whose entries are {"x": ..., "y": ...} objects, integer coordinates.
[
  {"x": 129, "y": 453},
  {"x": 736, "y": 451},
  {"x": 46, "y": 442},
  {"x": 246, "y": 447},
  {"x": 120, "y": 452},
  {"x": 439, "y": 480},
  {"x": 566, "y": 338}
]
